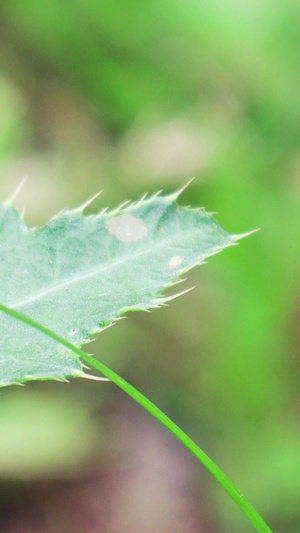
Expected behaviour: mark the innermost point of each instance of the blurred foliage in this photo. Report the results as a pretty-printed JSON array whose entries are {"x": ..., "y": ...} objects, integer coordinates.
[{"x": 128, "y": 97}]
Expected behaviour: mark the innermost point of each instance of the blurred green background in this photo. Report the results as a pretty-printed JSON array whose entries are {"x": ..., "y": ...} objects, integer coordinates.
[{"x": 129, "y": 97}]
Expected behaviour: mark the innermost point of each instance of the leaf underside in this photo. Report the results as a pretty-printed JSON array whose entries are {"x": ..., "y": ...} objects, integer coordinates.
[{"x": 78, "y": 274}]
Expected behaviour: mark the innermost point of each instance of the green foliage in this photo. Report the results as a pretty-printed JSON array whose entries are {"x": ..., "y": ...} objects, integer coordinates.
[
  {"x": 78, "y": 274},
  {"x": 132, "y": 71}
]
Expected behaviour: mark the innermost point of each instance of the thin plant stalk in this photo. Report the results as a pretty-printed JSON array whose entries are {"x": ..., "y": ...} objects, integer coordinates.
[{"x": 240, "y": 500}]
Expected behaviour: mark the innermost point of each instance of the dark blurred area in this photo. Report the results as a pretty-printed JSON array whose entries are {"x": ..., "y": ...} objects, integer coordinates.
[{"x": 129, "y": 97}]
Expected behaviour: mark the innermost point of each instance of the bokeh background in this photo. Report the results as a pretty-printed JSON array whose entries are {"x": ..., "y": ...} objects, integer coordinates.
[{"x": 128, "y": 97}]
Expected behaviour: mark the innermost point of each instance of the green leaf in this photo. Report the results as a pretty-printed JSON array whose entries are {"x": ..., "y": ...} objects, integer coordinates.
[{"x": 78, "y": 274}]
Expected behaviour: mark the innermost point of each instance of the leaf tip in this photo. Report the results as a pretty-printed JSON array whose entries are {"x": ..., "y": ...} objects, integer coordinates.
[{"x": 236, "y": 237}]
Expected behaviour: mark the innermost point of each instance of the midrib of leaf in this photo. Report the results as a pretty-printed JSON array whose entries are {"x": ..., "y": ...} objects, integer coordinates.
[
  {"x": 55, "y": 288},
  {"x": 98, "y": 271}
]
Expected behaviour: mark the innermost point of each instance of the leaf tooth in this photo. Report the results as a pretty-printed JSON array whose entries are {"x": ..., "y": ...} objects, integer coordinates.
[
  {"x": 99, "y": 330},
  {"x": 90, "y": 339},
  {"x": 184, "y": 270},
  {"x": 119, "y": 208},
  {"x": 142, "y": 199},
  {"x": 132, "y": 205},
  {"x": 219, "y": 249},
  {"x": 13, "y": 197},
  {"x": 155, "y": 195},
  {"x": 216, "y": 250},
  {"x": 176, "y": 282},
  {"x": 92, "y": 377},
  {"x": 61, "y": 380},
  {"x": 165, "y": 299},
  {"x": 145, "y": 198},
  {"x": 176, "y": 194},
  {"x": 156, "y": 304},
  {"x": 83, "y": 206},
  {"x": 102, "y": 212},
  {"x": 107, "y": 326}
]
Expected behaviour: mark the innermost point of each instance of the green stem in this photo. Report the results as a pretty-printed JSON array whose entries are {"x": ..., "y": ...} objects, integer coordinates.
[{"x": 240, "y": 500}]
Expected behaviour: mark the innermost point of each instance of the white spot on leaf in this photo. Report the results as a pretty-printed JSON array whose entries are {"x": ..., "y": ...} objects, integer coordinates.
[
  {"x": 126, "y": 228},
  {"x": 175, "y": 262}
]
